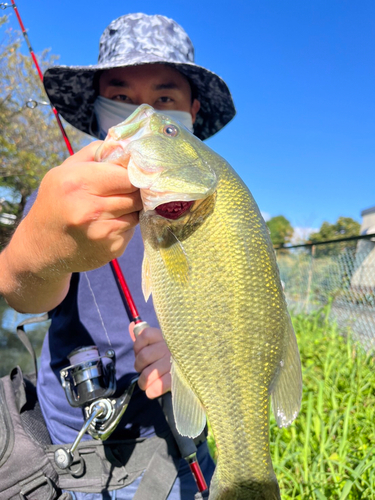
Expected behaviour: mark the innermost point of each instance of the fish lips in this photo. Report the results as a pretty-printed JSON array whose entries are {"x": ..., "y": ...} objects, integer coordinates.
[{"x": 162, "y": 182}]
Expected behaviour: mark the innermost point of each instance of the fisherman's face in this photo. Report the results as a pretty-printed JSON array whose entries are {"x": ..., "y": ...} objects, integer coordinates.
[{"x": 160, "y": 86}]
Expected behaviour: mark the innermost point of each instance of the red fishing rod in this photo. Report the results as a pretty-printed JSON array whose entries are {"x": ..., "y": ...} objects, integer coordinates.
[
  {"x": 186, "y": 445},
  {"x": 24, "y": 32}
]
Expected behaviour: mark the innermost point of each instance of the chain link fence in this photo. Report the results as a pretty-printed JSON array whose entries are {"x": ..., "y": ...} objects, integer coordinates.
[{"x": 341, "y": 271}]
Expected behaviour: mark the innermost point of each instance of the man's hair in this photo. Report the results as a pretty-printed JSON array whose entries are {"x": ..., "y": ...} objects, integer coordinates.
[
  {"x": 96, "y": 79},
  {"x": 194, "y": 90}
]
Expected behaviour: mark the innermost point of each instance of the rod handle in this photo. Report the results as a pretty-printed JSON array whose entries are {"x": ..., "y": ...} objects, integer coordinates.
[{"x": 185, "y": 444}]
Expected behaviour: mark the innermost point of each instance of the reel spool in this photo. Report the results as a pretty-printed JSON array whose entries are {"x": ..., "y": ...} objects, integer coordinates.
[{"x": 89, "y": 376}]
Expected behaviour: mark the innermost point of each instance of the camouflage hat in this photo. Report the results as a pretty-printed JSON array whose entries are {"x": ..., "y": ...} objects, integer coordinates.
[{"x": 131, "y": 40}]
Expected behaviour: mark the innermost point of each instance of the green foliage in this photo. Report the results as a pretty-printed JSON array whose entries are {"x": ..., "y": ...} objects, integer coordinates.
[
  {"x": 281, "y": 230},
  {"x": 30, "y": 140},
  {"x": 328, "y": 452},
  {"x": 345, "y": 227}
]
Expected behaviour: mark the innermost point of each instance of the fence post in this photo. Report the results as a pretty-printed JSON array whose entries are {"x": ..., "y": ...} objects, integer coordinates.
[{"x": 309, "y": 280}]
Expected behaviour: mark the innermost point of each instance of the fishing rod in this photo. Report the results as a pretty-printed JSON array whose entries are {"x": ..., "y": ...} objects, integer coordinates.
[
  {"x": 186, "y": 445},
  {"x": 114, "y": 264},
  {"x": 33, "y": 56}
]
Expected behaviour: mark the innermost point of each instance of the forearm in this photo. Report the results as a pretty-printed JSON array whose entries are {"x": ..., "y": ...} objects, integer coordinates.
[
  {"x": 83, "y": 217},
  {"x": 30, "y": 282}
]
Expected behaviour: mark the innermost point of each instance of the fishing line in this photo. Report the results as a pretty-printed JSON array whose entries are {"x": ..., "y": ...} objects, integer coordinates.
[
  {"x": 186, "y": 445},
  {"x": 97, "y": 308}
]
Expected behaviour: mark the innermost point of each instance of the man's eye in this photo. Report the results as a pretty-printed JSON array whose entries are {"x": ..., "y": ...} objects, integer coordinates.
[
  {"x": 165, "y": 99},
  {"x": 121, "y": 97}
]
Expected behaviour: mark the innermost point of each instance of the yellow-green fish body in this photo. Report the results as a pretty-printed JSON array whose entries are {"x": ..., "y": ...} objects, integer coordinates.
[{"x": 219, "y": 300}]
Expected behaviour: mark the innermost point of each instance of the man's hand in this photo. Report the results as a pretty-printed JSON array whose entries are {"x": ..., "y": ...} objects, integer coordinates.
[
  {"x": 83, "y": 217},
  {"x": 86, "y": 211},
  {"x": 152, "y": 361}
]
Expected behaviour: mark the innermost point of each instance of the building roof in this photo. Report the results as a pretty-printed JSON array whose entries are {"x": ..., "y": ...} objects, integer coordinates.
[{"x": 368, "y": 211}]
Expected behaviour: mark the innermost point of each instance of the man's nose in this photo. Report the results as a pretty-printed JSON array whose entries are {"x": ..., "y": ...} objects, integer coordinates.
[{"x": 143, "y": 98}]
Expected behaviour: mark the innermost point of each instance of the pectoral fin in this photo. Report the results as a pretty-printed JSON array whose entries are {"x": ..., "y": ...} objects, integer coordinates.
[
  {"x": 188, "y": 410},
  {"x": 287, "y": 391},
  {"x": 146, "y": 277},
  {"x": 175, "y": 260}
]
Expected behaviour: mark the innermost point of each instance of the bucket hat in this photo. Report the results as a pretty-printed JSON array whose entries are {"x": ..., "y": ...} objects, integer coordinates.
[{"x": 138, "y": 39}]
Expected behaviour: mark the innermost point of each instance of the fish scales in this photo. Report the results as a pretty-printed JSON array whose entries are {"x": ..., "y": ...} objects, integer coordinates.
[
  {"x": 221, "y": 307},
  {"x": 232, "y": 380}
]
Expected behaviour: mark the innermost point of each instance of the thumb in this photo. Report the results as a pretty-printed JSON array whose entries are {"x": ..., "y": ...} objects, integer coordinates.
[
  {"x": 131, "y": 331},
  {"x": 87, "y": 153}
]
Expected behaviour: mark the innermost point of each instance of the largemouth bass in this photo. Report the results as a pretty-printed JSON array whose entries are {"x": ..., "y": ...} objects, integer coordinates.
[{"x": 211, "y": 268}]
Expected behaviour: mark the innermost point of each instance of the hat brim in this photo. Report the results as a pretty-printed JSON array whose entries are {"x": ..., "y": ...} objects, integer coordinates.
[{"x": 71, "y": 91}]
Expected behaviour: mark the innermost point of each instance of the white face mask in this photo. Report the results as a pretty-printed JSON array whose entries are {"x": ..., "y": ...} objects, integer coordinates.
[{"x": 110, "y": 113}]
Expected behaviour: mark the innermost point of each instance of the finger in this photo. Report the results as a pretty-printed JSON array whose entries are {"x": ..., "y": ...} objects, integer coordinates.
[
  {"x": 112, "y": 207},
  {"x": 159, "y": 387},
  {"x": 106, "y": 231},
  {"x": 101, "y": 179},
  {"x": 151, "y": 354},
  {"x": 87, "y": 153},
  {"x": 118, "y": 246},
  {"x": 155, "y": 370},
  {"x": 148, "y": 336},
  {"x": 131, "y": 331},
  {"x": 123, "y": 204}
]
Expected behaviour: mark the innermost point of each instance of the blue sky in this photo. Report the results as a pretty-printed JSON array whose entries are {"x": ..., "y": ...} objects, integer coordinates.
[{"x": 302, "y": 75}]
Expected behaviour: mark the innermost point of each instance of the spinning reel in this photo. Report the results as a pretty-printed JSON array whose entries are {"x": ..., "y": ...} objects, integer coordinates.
[{"x": 89, "y": 382}]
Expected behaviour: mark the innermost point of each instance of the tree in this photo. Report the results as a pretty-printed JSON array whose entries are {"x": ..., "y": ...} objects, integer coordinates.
[
  {"x": 345, "y": 227},
  {"x": 281, "y": 230},
  {"x": 30, "y": 140}
]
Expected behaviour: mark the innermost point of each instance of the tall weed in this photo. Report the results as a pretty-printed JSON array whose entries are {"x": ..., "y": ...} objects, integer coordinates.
[{"x": 328, "y": 453}]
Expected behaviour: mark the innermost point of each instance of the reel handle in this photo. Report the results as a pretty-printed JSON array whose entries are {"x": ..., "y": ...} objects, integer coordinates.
[{"x": 64, "y": 457}]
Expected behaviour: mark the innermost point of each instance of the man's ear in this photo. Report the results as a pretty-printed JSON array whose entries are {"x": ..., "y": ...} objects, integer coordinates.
[{"x": 195, "y": 107}]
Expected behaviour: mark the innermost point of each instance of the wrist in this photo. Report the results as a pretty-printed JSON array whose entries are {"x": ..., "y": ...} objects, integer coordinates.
[{"x": 31, "y": 252}]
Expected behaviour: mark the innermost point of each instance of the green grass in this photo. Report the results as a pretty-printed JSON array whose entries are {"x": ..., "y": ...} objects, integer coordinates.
[{"x": 328, "y": 452}]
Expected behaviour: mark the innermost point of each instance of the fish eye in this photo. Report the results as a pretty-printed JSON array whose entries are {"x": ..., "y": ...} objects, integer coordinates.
[{"x": 170, "y": 130}]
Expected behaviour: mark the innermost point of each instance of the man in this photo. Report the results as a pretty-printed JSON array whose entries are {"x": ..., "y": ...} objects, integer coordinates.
[{"x": 85, "y": 214}]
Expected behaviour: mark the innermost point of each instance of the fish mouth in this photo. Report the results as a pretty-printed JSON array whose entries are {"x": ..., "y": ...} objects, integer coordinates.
[{"x": 174, "y": 209}]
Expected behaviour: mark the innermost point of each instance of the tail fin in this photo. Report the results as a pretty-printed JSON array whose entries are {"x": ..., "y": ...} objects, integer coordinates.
[{"x": 250, "y": 490}]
